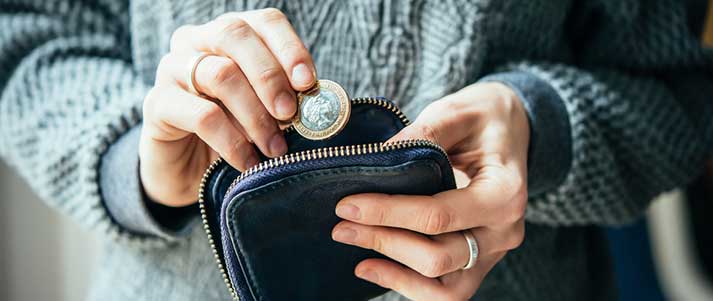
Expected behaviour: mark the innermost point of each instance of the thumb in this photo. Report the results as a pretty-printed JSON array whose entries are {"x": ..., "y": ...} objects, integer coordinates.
[
  {"x": 438, "y": 123},
  {"x": 413, "y": 131}
]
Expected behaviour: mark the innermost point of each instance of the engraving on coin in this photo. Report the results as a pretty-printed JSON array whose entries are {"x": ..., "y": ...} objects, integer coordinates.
[
  {"x": 322, "y": 111},
  {"x": 319, "y": 111}
]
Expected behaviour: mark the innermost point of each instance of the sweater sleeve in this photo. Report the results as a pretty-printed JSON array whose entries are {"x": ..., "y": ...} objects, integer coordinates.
[
  {"x": 68, "y": 93},
  {"x": 639, "y": 103}
]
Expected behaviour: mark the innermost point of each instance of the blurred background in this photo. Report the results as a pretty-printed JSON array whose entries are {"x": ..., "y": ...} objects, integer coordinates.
[
  {"x": 43, "y": 255},
  {"x": 667, "y": 256}
]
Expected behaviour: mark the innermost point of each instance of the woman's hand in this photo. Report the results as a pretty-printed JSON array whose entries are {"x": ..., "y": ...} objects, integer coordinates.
[
  {"x": 485, "y": 130},
  {"x": 247, "y": 83}
]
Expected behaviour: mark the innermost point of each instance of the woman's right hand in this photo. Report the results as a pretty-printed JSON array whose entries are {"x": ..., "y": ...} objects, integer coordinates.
[{"x": 248, "y": 82}]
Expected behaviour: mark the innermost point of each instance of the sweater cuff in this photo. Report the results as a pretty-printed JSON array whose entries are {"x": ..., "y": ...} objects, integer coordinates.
[
  {"x": 550, "y": 150},
  {"x": 124, "y": 197}
]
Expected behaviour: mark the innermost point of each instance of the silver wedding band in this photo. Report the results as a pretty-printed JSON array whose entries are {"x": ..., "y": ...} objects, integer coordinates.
[
  {"x": 472, "y": 248},
  {"x": 192, "y": 67}
]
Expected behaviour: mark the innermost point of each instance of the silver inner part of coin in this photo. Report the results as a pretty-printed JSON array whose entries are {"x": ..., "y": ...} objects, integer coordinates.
[{"x": 318, "y": 112}]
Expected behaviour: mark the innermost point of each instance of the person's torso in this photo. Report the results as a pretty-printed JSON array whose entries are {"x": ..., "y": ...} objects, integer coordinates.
[{"x": 412, "y": 52}]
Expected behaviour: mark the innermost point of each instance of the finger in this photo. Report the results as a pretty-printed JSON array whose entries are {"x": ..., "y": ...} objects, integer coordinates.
[
  {"x": 220, "y": 78},
  {"x": 484, "y": 202},
  {"x": 234, "y": 121},
  {"x": 226, "y": 82},
  {"x": 467, "y": 282},
  {"x": 177, "y": 110},
  {"x": 391, "y": 275},
  {"x": 434, "y": 123},
  {"x": 236, "y": 39},
  {"x": 459, "y": 285},
  {"x": 431, "y": 257},
  {"x": 278, "y": 34},
  {"x": 492, "y": 240}
]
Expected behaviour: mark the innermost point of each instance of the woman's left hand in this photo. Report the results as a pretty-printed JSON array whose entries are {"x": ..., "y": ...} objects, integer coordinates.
[{"x": 485, "y": 131}]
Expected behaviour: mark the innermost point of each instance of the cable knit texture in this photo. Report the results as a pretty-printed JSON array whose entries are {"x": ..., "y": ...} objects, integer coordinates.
[{"x": 635, "y": 82}]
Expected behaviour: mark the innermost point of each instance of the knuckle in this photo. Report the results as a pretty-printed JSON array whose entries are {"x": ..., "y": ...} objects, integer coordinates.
[
  {"x": 227, "y": 16},
  {"x": 223, "y": 74},
  {"x": 517, "y": 186},
  {"x": 272, "y": 15},
  {"x": 238, "y": 148},
  {"x": 378, "y": 211},
  {"x": 502, "y": 182},
  {"x": 165, "y": 62},
  {"x": 428, "y": 132},
  {"x": 261, "y": 121},
  {"x": 435, "y": 220},
  {"x": 208, "y": 116},
  {"x": 292, "y": 49},
  {"x": 438, "y": 265},
  {"x": 164, "y": 68},
  {"x": 449, "y": 106},
  {"x": 516, "y": 207},
  {"x": 511, "y": 183},
  {"x": 376, "y": 242},
  {"x": 238, "y": 29},
  {"x": 515, "y": 238},
  {"x": 444, "y": 106},
  {"x": 179, "y": 34},
  {"x": 513, "y": 192},
  {"x": 269, "y": 74},
  {"x": 150, "y": 102}
]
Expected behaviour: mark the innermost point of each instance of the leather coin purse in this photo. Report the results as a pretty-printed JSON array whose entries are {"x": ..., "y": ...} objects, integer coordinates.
[{"x": 270, "y": 226}]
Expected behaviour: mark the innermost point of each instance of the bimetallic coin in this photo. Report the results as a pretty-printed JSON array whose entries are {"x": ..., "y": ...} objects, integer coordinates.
[{"x": 323, "y": 111}]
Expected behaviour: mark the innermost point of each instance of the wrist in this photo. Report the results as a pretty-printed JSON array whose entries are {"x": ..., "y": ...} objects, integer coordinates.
[
  {"x": 124, "y": 197},
  {"x": 166, "y": 180},
  {"x": 169, "y": 216}
]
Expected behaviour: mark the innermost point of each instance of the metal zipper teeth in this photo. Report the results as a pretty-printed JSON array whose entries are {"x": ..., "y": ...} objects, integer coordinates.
[
  {"x": 372, "y": 101},
  {"x": 333, "y": 151},
  {"x": 302, "y": 156},
  {"x": 355, "y": 101},
  {"x": 206, "y": 227},
  {"x": 385, "y": 104},
  {"x": 314, "y": 154}
]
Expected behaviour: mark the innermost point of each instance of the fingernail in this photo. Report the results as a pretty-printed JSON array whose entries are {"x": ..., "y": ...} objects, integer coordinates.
[
  {"x": 344, "y": 234},
  {"x": 348, "y": 211},
  {"x": 251, "y": 161},
  {"x": 368, "y": 275},
  {"x": 302, "y": 76},
  {"x": 285, "y": 105},
  {"x": 278, "y": 146}
]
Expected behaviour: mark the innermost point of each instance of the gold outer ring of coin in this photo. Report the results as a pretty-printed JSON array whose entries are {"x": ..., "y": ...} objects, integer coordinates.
[{"x": 345, "y": 108}]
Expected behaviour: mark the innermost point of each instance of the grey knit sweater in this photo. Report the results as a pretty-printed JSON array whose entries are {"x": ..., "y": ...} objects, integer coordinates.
[{"x": 619, "y": 95}]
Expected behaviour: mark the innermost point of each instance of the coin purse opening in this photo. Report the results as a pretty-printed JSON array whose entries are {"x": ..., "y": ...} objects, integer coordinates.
[{"x": 270, "y": 226}]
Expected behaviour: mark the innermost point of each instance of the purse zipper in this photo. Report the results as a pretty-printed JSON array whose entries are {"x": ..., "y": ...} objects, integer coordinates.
[
  {"x": 313, "y": 154},
  {"x": 206, "y": 227}
]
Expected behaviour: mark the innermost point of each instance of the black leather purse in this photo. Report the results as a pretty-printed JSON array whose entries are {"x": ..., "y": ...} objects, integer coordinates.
[{"x": 270, "y": 226}]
